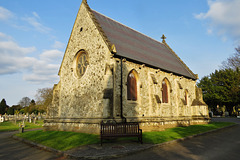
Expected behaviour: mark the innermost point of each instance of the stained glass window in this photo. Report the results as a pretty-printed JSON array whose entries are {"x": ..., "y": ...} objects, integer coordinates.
[
  {"x": 82, "y": 63},
  {"x": 164, "y": 92},
  {"x": 132, "y": 86}
]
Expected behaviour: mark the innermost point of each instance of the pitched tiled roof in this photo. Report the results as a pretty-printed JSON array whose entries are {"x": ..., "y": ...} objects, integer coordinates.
[{"x": 138, "y": 47}]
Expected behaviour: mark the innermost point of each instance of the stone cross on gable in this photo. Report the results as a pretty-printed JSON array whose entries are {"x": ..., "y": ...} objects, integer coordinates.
[{"x": 163, "y": 38}]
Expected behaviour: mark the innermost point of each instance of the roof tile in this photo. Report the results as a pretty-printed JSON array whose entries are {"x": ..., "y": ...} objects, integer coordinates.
[{"x": 138, "y": 47}]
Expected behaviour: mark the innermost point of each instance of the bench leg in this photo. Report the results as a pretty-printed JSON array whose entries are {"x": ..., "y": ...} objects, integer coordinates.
[{"x": 140, "y": 140}]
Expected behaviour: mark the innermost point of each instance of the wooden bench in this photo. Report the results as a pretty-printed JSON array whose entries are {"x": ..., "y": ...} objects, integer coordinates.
[{"x": 127, "y": 129}]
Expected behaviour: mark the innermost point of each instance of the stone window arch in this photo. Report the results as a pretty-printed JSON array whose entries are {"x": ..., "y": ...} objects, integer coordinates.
[
  {"x": 165, "y": 91},
  {"x": 81, "y": 63},
  {"x": 132, "y": 89}
]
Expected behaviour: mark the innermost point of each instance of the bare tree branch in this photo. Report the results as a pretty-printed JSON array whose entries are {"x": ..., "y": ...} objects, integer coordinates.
[{"x": 233, "y": 62}]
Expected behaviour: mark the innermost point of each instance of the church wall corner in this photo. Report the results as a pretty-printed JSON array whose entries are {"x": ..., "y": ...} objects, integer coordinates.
[{"x": 83, "y": 96}]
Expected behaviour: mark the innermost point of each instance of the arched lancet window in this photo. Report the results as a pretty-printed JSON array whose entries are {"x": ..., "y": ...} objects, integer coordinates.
[
  {"x": 164, "y": 91},
  {"x": 132, "y": 86}
]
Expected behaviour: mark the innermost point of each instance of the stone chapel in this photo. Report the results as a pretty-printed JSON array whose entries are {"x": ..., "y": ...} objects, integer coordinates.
[{"x": 112, "y": 72}]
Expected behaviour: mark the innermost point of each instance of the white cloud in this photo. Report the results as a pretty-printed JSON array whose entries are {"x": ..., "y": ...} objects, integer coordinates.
[
  {"x": 51, "y": 55},
  {"x": 5, "y": 37},
  {"x": 39, "y": 79},
  {"x": 43, "y": 72},
  {"x": 200, "y": 16},
  {"x": 224, "y": 18},
  {"x": 36, "y": 15},
  {"x": 46, "y": 68},
  {"x": 34, "y": 22},
  {"x": 5, "y": 14},
  {"x": 58, "y": 45},
  {"x": 11, "y": 65},
  {"x": 13, "y": 57},
  {"x": 16, "y": 59},
  {"x": 14, "y": 49},
  {"x": 209, "y": 30}
]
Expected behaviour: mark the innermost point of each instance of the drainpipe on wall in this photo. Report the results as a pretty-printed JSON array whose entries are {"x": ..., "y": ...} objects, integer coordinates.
[{"x": 121, "y": 93}]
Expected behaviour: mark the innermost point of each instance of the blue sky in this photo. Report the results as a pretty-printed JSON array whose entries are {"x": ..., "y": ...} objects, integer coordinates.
[{"x": 34, "y": 35}]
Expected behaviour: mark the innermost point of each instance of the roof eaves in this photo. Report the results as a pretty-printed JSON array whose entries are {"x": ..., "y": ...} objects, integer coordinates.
[{"x": 194, "y": 75}]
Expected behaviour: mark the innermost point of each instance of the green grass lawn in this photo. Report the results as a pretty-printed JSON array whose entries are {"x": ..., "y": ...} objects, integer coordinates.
[
  {"x": 60, "y": 140},
  {"x": 181, "y": 132},
  {"x": 11, "y": 126},
  {"x": 67, "y": 140}
]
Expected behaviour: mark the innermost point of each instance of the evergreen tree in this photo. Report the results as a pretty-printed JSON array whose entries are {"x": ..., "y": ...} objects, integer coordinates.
[
  {"x": 3, "y": 106},
  {"x": 10, "y": 111},
  {"x": 222, "y": 88}
]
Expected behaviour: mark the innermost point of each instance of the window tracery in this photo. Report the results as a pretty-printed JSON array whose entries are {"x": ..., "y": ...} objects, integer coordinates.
[{"x": 82, "y": 63}]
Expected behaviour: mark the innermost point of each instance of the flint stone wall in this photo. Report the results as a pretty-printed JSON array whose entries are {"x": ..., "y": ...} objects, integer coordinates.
[{"x": 80, "y": 104}]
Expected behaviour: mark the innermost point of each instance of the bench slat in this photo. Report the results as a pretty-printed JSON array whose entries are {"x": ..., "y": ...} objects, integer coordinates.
[{"x": 128, "y": 129}]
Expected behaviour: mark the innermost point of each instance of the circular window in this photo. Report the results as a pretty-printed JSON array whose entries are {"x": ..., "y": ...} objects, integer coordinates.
[{"x": 82, "y": 63}]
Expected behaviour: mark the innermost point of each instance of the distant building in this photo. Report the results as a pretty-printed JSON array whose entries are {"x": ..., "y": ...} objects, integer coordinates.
[{"x": 110, "y": 71}]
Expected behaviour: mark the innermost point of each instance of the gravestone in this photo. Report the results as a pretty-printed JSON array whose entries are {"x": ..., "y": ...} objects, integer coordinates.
[
  {"x": 34, "y": 120},
  {"x": 1, "y": 119}
]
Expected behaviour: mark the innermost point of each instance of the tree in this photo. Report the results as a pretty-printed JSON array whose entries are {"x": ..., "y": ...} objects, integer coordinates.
[
  {"x": 31, "y": 108},
  {"x": 233, "y": 62},
  {"x": 44, "y": 98},
  {"x": 16, "y": 107},
  {"x": 24, "y": 102},
  {"x": 222, "y": 88},
  {"x": 10, "y": 111},
  {"x": 3, "y": 106}
]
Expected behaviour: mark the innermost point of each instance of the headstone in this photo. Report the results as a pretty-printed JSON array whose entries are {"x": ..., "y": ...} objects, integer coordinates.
[
  {"x": 23, "y": 123},
  {"x": 15, "y": 119},
  {"x": 226, "y": 114},
  {"x": 210, "y": 114},
  {"x": 1, "y": 119},
  {"x": 39, "y": 115},
  {"x": 34, "y": 120},
  {"x": 21, "y": 128}
]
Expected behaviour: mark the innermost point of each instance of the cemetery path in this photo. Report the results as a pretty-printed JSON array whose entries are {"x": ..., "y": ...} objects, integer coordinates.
[
  {"x": 221, "y": 145},
  {"x": 11, "y": 149}
]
